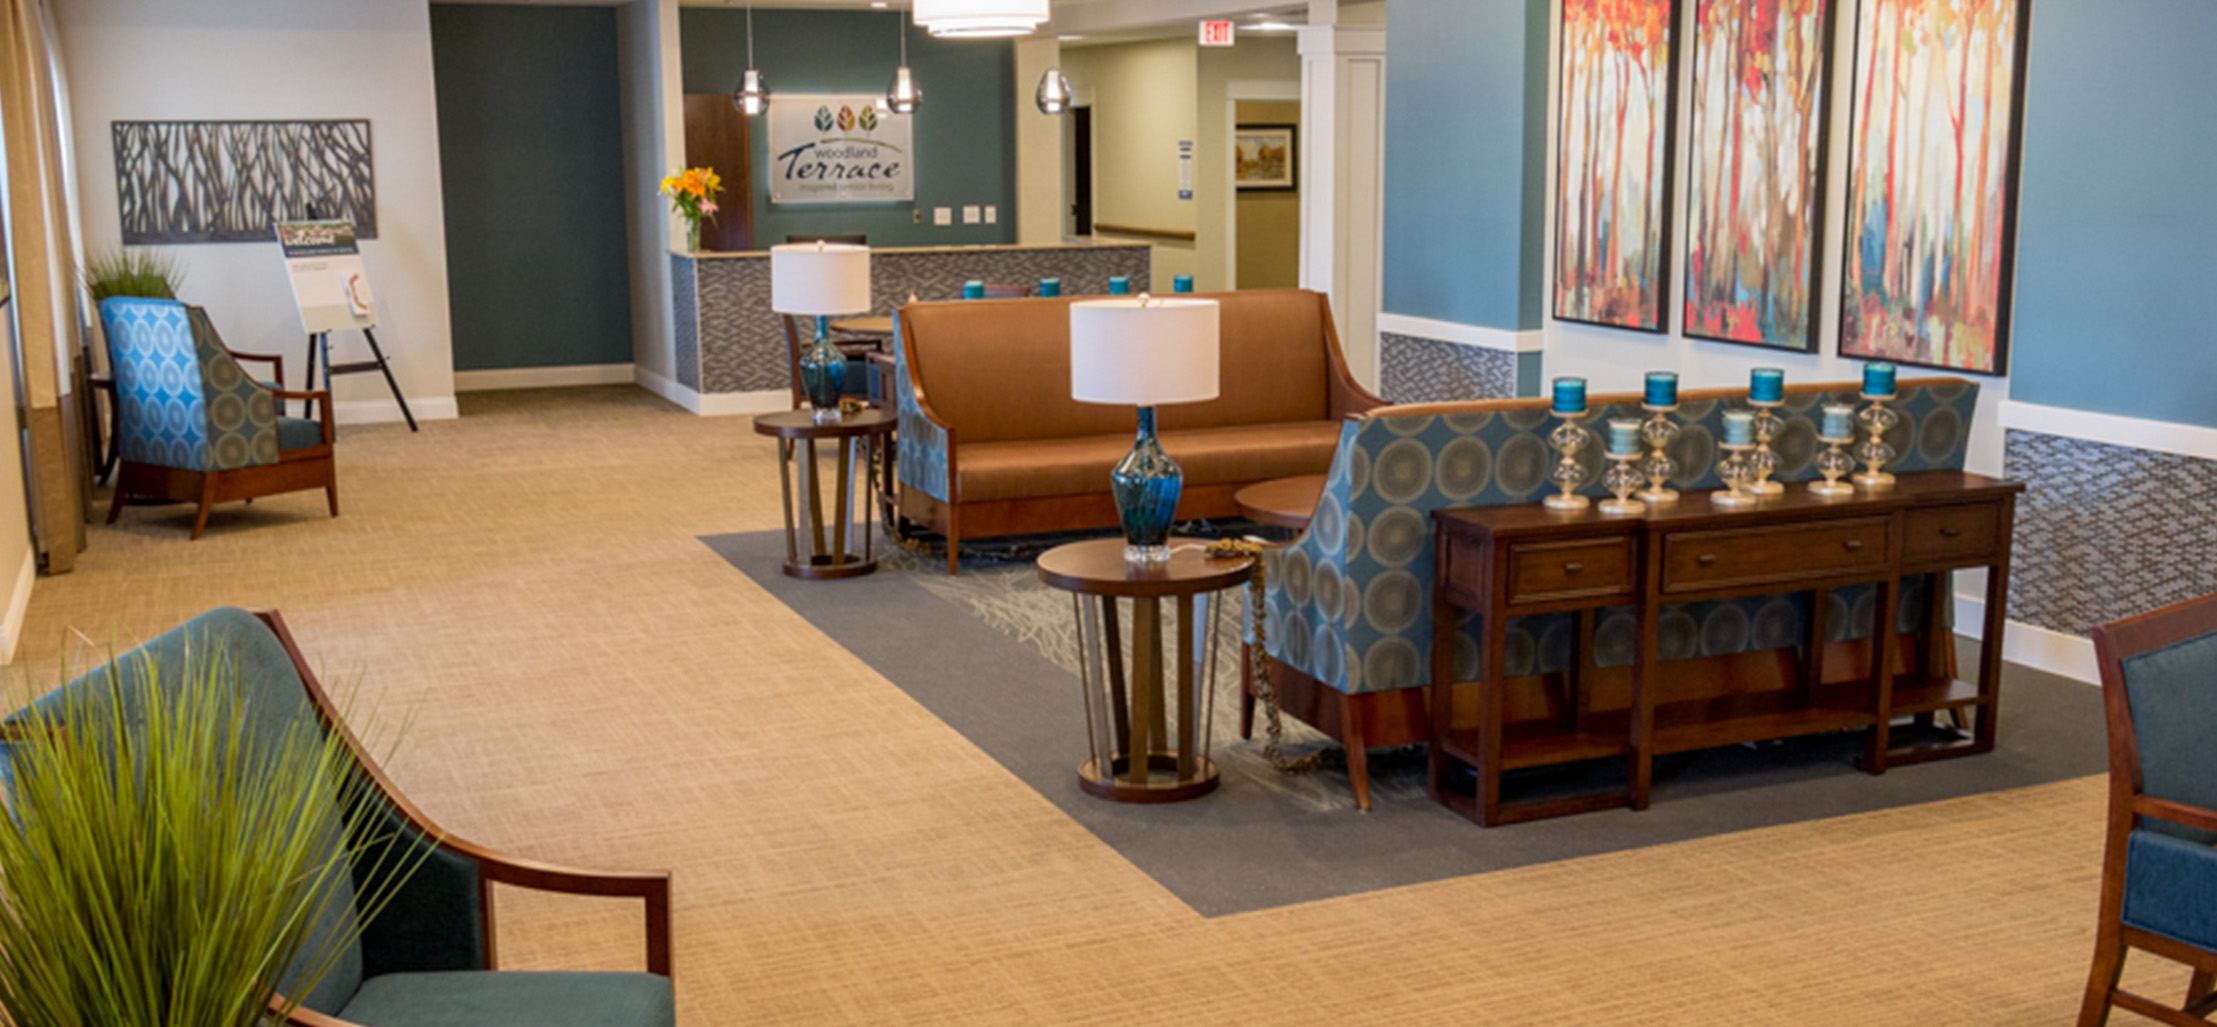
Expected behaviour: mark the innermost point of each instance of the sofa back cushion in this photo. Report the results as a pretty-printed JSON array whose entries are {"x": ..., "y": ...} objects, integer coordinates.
[{"x": 1000, "y": 369}]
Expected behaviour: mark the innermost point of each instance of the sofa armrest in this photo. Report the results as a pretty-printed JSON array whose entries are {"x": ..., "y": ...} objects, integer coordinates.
[
  {"x": 925, "y": 457},
  {"x": 1345, "y": 396}
]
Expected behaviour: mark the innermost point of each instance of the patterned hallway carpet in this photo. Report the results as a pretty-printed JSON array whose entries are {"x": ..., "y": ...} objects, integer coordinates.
[{"x": 992, "y": 653}]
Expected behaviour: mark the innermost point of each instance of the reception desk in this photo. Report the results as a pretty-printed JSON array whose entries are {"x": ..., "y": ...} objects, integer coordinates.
[{"x": 731, "y": 345}]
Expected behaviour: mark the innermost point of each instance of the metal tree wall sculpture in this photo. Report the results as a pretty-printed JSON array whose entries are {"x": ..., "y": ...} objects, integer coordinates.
[{"x": 227, "y": 181}]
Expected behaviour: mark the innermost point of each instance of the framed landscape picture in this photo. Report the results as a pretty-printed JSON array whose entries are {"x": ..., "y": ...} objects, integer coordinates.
[
  {"x": 1264, "y": 157},
  {"x": 1755, "y": 173},
  {"x": 1937, "y": 116},
  {"x": 1613, "y": 173}
]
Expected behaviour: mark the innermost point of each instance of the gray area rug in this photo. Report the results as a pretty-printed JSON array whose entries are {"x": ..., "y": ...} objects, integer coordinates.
[{"x": 992, "y": 653}]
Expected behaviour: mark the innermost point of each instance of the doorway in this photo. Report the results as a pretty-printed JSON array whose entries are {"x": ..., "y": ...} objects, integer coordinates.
[
  {"x": 1081, "y": 171},
  {"x": 1266, "y": 217}
]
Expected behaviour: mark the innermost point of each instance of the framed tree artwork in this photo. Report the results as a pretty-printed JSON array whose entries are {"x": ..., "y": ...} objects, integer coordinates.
[
  {"x": 1613, "y": 167},
  {"x": 1936, "y": 123},
  {"x": 1755, "y": 174}
]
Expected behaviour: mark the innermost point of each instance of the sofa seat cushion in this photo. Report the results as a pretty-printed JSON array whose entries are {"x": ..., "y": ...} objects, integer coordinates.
[
  {"x": 498, "y": 998},
  {"x": 1035, "y": 468}
]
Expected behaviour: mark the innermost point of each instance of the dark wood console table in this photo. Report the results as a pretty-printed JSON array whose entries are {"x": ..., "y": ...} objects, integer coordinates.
[{"x": 1511, "y": 561}]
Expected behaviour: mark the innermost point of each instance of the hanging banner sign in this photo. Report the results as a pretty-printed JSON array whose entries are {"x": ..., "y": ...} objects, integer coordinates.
[
  {"x": 329, "y": 282},
  {"x": 839, "y": 149}
]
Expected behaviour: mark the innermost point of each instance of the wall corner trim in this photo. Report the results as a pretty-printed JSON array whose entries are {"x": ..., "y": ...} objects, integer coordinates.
[
  {"x": 2039, "y": 648},
  {"x": 2112, "y": 429},
  {"x": 1468, "y": 335},
  {"x": 19, "y": 601}
]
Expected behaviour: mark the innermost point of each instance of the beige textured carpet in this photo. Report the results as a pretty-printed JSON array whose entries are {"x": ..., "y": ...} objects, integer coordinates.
[{"x": 585, "y": 682}]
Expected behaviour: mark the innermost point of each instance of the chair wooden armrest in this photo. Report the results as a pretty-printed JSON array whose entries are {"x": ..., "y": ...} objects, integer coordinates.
[
  {"x": 2176, "y": 812},
  {"x": 273, "y": 360},
  {"x": 305, "y": 1017},
  {"x": 650, "y": 886}
]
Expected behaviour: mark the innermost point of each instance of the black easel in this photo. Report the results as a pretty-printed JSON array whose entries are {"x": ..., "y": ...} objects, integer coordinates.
[{"x": 321, "y": 341}]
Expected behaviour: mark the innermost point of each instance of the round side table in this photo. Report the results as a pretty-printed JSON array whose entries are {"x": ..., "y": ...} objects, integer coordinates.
[
  {"x": 827, "y": 554},
  {"x": 1284, "y": 503},
  {"x": 1138, "y": 753}
]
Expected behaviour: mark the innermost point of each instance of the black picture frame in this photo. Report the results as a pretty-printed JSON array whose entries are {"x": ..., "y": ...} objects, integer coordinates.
[{"x": 1290, "y": 181}]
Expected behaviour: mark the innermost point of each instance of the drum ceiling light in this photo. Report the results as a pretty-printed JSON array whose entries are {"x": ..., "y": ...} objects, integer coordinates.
[{"x": 980, "y": 19}]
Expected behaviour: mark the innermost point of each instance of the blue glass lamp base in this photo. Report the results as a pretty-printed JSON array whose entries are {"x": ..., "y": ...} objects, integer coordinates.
[
  {"x": 823, "y": 375},
  {"x": 1146, "y": 484}
]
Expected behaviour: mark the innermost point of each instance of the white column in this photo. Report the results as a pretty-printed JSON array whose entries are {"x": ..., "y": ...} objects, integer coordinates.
[
  {"x": 1343, "y": 114},
  {"x": 1039, "y": 200}
]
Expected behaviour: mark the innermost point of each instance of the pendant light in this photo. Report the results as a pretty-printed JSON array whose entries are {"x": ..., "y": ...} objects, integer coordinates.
[
  {"x": 753, "y": 96},
  {"x": 1053, "y": 94},
  {"x": 902, "y": 97},
  {"x": 981, "y": 19}
]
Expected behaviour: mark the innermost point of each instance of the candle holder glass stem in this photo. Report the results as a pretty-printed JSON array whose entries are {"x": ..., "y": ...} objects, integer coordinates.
[
  {"x": 1763, "y": 462},
  {"x": 1658, "y": 467},
  {"x": 1875, "y": 420},
  {"x": 1568, "y": 438},
  {"x": 1737, "y": 471},
  {"x": 1833, "y": 463},
  {"x": 1621, "y": 479}
]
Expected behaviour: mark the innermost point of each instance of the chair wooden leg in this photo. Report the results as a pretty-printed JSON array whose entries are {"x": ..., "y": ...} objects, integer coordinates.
[
  {"x": 1358, "y": 749},
  {"x": 207, "y": 499},
  {"x": 954, "y": 543},
  {"x": 115, "y": 509},
  {"x": 1246, "y": 692},
  {"x": 2101, "y": 982},
  {"x": 331, "y": 493},
  {"x": 2201, "y": 993}
]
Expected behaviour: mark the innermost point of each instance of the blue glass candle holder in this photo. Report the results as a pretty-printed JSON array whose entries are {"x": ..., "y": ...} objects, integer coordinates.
[
  {"x": 1767, "y": 385},
  {"x": 1050, "y": 287},
  {"x": 1182, "y": 283},
  {"x": 1146, "y": 484},
  {"x": 1570, "y": 395},
  {"x": 973, "y": 290},
  {"x": 1662, "y": 390},
  {"x": 1878, "y": 380},
  {"x": 823, "y": 375},
  {"x": 1120, "y": 286}
]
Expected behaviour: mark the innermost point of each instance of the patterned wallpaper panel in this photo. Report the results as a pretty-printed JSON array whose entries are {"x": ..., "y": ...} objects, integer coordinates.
[
  {"x": 1413, "y": 369},
  {"x": 685, "y": 317},
  {"x": 2105, "y": 532},
  {"x": 741, "y": 345}
]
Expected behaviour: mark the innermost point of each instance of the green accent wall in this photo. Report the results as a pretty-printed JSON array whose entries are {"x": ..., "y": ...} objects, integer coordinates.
[
  {"x": 964, "y": 133},
  {"x": 531, "y": 168}
]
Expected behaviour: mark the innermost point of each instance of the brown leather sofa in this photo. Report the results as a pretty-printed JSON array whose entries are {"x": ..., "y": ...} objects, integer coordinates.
[{"x": 992, "y": 444}]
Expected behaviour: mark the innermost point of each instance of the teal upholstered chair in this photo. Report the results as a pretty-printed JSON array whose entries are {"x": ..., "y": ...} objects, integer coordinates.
[
  {"x": 428, "y": 959},
  {"x": 193, "y": 427},
  {"x": 2159, "y": 878}
]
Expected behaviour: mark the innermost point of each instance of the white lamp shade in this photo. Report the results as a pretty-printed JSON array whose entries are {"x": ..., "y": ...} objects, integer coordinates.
[
  {"x": 980, "y": 18},
  {"x": 820, "y": 278},
  {"x": 1143, "y": 351}
]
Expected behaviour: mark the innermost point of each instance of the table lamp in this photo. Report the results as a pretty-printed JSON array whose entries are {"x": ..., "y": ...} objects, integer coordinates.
[
  {"x": 818, "y": 280},
  {"x": 1145, "y": 351}
]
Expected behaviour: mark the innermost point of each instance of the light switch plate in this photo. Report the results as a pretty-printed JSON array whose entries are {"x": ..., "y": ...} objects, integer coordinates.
[
  {"x": 992, "y": 214},
  {"x": 970, "y": 214},
  {"x": 942, "y": 215}
]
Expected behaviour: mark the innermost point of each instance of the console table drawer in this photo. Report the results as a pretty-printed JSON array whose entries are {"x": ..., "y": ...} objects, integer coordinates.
[
  {"x": 1776, "y": 554},
  {"x": 1970, "y": 532},
  {"x": 1546, "y": 571}
]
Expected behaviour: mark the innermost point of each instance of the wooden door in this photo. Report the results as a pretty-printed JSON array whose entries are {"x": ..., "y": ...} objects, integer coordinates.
[{"x": 718, "y": 137}]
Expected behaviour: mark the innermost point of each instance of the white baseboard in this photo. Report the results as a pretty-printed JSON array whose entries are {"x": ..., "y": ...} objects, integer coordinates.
[
  {"x": 380, "y": 411},
  {"x": 2071, "y": 656},
  {"x": 2133, "y": 432},
  {"x": 543, "y": 377},
  {"x": 1469, "y": 335},
  {"x": 715, "y": 404},
  {"x": 11, "y": 630}
]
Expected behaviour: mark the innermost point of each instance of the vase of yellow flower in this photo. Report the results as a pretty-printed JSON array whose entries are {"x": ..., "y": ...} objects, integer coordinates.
[{"x": 692, "y": 193}]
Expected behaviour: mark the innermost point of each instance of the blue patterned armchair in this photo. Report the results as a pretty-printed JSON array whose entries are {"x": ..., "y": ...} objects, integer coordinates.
[
  {"x": 193, "y": 427},
  {"x": 2159, "y": 875},
  {"x": 428, "y": 958},
  {"x": 1349, "y": 601}
]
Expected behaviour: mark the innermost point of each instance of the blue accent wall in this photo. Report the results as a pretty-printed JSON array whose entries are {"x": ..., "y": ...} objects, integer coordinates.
[
  {"x": 532, "y": 180},
  {"x": 965, "y": 131},
  {"x": 2117, "y": 225},
  {"x": 1466, "y": 161}
]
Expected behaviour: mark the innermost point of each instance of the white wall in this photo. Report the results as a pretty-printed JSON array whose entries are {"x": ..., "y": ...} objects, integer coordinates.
[
  {"x": 1144, "y": 102},
  {"x": 223, "y": 60},
  {"x": 654, "y": 144},
  {"x": 18, "y": 558},
  {"x": 1260, "y": 67},
  {"x": 1614, "y": 360}
]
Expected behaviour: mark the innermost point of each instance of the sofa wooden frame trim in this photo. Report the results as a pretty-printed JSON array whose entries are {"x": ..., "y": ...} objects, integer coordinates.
[
  {"x": 307, "y": 467},
  {"x": 2128, "y": 802},
  {"x": 953, "y": 518},
  {"x": 493, "y": 867}
]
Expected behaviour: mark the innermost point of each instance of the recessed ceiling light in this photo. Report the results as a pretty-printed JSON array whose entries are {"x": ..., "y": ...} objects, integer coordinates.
[
  {"x": 877, "y": 3},
  {"x": 1069, "y": 38}
]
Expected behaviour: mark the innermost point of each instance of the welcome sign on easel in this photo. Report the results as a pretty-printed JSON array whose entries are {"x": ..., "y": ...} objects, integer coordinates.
[{"x": 330, "y": 284}]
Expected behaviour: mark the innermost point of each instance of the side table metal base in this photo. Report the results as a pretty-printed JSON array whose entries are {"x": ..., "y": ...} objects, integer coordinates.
[
  {"x": 824, "y": 567},
  {"x": 1162, "y": 785}
]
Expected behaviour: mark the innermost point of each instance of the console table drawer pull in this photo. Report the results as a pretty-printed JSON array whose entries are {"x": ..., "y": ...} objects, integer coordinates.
[
  {"x": 1573, "y": 567},
  {"x": 1706, "y": 559},
  {"x": 1853, "y": 544},
  {"x": 1951, "y": 532}
]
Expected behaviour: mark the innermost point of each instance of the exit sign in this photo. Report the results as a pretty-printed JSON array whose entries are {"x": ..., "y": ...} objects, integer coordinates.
[{"x": 1216, "y": 33}]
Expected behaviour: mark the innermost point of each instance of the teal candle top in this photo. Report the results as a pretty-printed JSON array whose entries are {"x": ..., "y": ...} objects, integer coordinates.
[
  {"x": 1838, "y": 421},
  {"x": 1739, "y": 428},
  {"x": 1624, "y": 437},
  {"x": 1050, "y": 287},
  {"x": 1767, "y": 385},
  {"x": 973, "y": 290},
  {"x": 1570, "y": 395},
  {"x": 1182, "y": 283},
  {"x": 1120, "y": 286},
  {"x": 1662, "y": 388},
  {"x": 1878, "y": 379}
]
